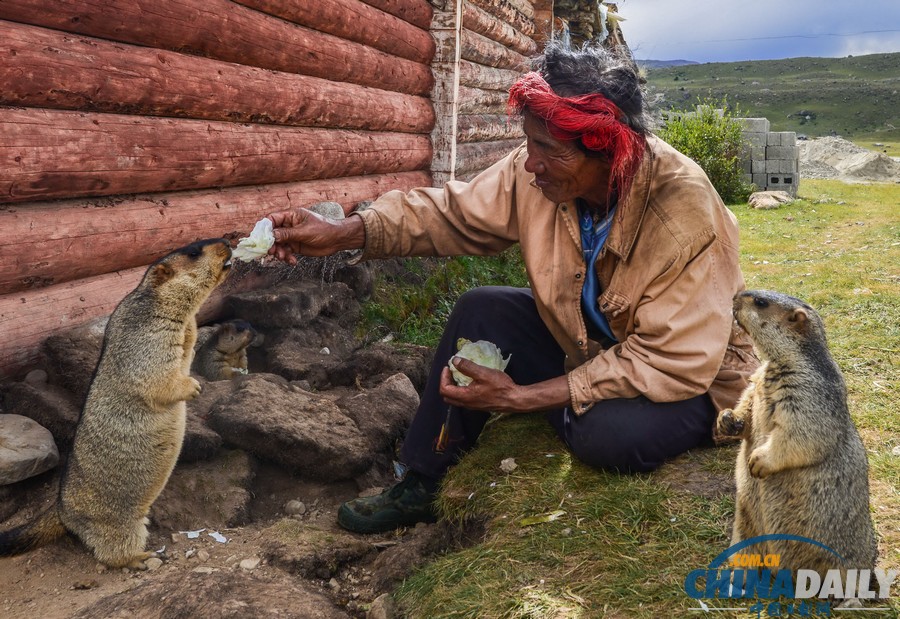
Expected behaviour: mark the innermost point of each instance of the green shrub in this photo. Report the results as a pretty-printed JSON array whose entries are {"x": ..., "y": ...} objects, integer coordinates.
[{"x": 713, "y": 139}]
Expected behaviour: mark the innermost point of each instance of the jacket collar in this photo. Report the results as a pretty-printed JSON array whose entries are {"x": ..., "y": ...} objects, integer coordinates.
[{"x": 631, "y": 210}]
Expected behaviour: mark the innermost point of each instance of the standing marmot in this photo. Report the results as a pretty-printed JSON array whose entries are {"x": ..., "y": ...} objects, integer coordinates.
[
  {"x": 224, "y": 353},
  {"x": 802, "y": 467},
  {"x": 131, "y": 430}
]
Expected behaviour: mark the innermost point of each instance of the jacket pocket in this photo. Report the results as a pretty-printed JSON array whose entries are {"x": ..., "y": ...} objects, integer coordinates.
[{"x": 613, "y": 304}]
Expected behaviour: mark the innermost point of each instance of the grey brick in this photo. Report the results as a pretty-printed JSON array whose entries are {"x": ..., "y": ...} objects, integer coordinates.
[
  {"x": 758, "y": 125},
  {"x": 782, "y": 152},
  {"x": 759, "y": 167},
  {"x": 755, "y": 139}
]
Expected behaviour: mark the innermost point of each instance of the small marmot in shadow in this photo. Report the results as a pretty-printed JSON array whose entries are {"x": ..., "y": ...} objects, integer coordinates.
[
  {"x": 224, "y": 353},
  {"x": 131, "y": 429},
  {"x": 802, "y": 467}
]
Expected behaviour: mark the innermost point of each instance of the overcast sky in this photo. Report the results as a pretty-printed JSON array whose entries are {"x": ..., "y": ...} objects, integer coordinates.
[{"x": 733, "y": 30}]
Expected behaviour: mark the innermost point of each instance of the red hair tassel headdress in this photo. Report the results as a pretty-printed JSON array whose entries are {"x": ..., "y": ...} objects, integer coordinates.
[{"x": 592, "y": 118}]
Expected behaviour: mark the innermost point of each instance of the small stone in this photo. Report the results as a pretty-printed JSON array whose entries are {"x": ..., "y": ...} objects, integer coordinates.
[
  {"x": 566, "y": 532},
  {"x": 334, "y": 584},
  {"x": 203, "y": 570},
  {"x": 250, "y": 564},
  {"x": 84, "y": 585},
  {"x": 896, "y": 450},
  {"x": 189, "y": 553},
  {"x": 153, "y": 563},
  {"x": 295, "y": 508},
  {"x": 177, "y": 537},
  {"x": 325, "y": 351},
  {"x": 383, "y": 607},
  {"x": 508, "y": 465},
  {"x": 203, "y": 555}
]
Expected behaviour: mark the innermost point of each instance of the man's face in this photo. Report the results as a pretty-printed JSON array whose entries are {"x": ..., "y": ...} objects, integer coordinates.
[{"x": 562, "y": 171}]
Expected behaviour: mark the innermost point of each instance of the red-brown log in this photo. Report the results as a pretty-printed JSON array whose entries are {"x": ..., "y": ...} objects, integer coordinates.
[
  {"x": 481, "y": 155},
  {"x": 482, "y": 50},
  {"x": 227, "y": 31},
  {"x": 355, "y": 21},
  {"x": 507, "y": 12},
  {"x": 480, "y": 21},
  {"x": 487, "y": 127},
  {"x": 479, "y": 76},
  {"x": 28, "y": 318},
  {"x": 416, "y": 12},
  {"x": 53, "y": 242},
  {"x": 47, "y": 68},
  {"x": 49, "y": 154}
]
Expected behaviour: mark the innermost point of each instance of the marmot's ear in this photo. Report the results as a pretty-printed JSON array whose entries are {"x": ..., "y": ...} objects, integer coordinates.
[
  {"x": 161, "y": 273},
  {"x": 799, "y": 315}
]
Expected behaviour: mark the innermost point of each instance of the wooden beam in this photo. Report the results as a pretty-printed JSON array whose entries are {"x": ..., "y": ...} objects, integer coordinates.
[
  {"x": 478, "y": 156},
  {"x": 474, "y": 75},
  {"x": 50, "y": 243},
  {"x": 48, "y": 154},
  {"x": 355, "y": 21},
  {"x": 488, "y": 127},
  {"x": 51, "y": 69},
  {"x": 416, "y": 12},
  {"x": 227, "y": 31},
  {"x": 509, "y": 12},
  {"x": 480, "y": 21}
]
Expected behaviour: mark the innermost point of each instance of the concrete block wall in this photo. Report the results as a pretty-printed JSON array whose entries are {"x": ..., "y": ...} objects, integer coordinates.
[{"x": 770, "y": 159}]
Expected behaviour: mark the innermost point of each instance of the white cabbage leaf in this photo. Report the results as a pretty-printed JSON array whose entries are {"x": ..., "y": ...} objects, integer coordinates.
[
  {"x": 258, "y": 243},
  {"x": 481, "y": 352}
]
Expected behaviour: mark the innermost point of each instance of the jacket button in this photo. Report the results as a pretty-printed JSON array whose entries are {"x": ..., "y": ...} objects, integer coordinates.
[
  {"x": 564, "y": 208},
  {"x": 581, "y": 342},
  {"x": 578, "y": 276}
]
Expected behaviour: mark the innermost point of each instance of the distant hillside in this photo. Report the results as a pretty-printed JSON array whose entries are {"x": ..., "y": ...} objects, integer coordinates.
[
  {"x": 658, "y": 64},
  {"x": 855, "y": 97}
]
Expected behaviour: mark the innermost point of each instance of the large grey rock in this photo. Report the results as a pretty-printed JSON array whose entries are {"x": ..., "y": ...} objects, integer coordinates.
[
  {"x": 293, "y": 304},
  {"x": 211, "y": 494},
  {"x": 48, "y": 405},
  {"x": 26, "y": 449},
  {"x": 71, "y": 357},
  {"x": 415, "y": 549},
  {"x": 298, "y": 354},
  {"x": 372, "y": 365},
  {"x": 217, "y": 595},
  {"x": 303, "y": 549},
  {"x": 383, "y": 607},
  {"x": 303, "y": 432},
  {"x": 383, "y": 413}
]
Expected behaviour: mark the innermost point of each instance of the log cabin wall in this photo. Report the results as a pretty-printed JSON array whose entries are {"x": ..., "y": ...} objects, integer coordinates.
[
  {"x": 483, "y": 46},
  {"x": 132, "y": 127}
]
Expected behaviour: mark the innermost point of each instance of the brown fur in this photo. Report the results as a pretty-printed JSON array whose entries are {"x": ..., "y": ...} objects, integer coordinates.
[
  {"x": 130, "y": 432},
  {"x": 802, "y": 468}
]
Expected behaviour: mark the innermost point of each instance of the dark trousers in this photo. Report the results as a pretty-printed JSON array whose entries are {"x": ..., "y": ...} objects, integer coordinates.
[{"x": 625, "y": 435}]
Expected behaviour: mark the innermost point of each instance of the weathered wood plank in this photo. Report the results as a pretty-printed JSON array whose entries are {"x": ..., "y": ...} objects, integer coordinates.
[
  {"x": 48, "y": 154},
  {"x": 480, "y": 21},
  {"x": 227, "y": 31},
  {"x": 488, "y": 127},
  {"x": 488, "y": 78},
  {"x": 508, "y": 12},
  {"x": 416, "y": 12},
  {"x": 482, "y": 50},
  {"x": 480, "y": 101},
  {"x": 481, "y": 155},
  {"x": 53, "y": 242},
  {"x": 355, "y": 21},
  {"x": 48, "y": 68}
]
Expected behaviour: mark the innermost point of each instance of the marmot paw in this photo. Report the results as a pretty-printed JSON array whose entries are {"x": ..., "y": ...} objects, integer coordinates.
[
  {"x": 760, "y": 464},
  {"x": 729, "y": 425}
]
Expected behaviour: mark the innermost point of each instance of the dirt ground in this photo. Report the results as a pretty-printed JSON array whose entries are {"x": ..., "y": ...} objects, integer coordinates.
[{"x": 57, "y": 581}]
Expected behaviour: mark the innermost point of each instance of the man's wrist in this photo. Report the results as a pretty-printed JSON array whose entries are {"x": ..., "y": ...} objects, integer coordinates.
[{"x": 352, "y": 233}]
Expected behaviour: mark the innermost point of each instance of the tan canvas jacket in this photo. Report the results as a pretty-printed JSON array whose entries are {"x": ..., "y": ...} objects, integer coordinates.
[{"x": 668, "y": 272}]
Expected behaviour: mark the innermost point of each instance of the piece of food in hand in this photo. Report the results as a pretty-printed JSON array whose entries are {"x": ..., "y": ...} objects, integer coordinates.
[
  {"x": 481, "y": 352},
  {"x": 258, "y": 243}
]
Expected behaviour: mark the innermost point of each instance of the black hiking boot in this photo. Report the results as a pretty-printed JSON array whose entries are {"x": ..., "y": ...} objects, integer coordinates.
[{"x": 402, "y": 505}]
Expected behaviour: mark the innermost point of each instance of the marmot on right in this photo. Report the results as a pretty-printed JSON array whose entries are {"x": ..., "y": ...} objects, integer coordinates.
[
  {"x": 802, "y": 467},
  {"x": 223, "y": 354}
]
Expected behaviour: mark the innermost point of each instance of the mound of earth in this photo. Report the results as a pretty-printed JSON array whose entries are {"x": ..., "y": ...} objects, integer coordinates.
[{"x": 835, "y": 157}]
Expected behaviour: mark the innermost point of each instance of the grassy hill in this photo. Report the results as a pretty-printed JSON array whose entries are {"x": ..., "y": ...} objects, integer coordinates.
[{"x": 855, "y": 97}]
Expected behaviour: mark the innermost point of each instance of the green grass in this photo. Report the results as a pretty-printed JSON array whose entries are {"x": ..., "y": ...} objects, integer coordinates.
[
  {"x": 625, "y": 543},
  {"x": 854, "y": 97}
]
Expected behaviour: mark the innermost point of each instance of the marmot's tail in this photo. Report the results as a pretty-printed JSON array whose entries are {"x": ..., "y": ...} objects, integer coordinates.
[{"x": 47, "y": 528}]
